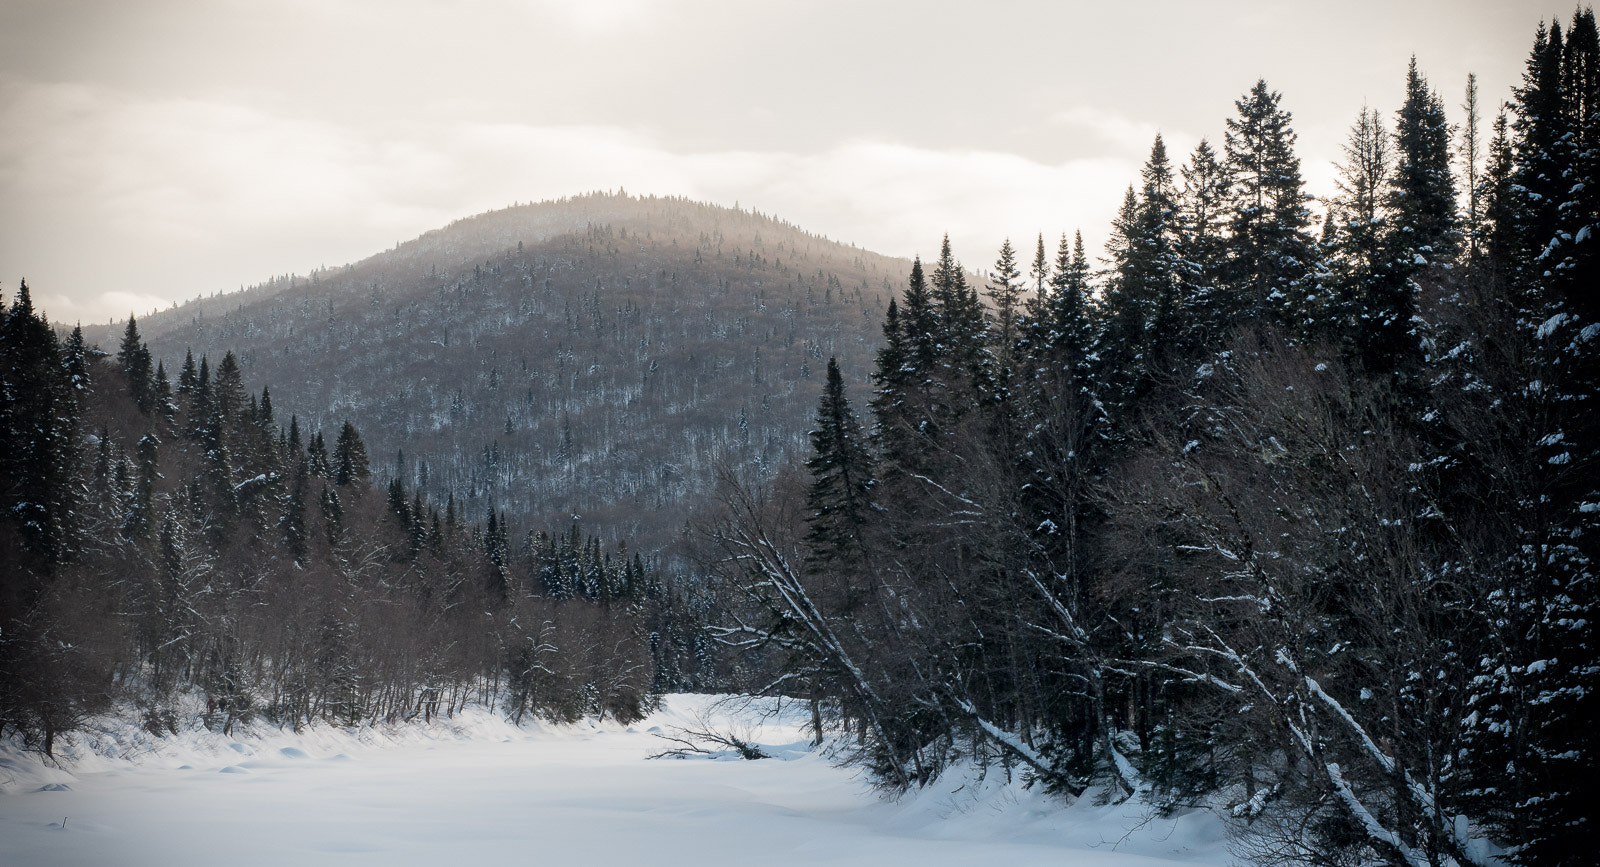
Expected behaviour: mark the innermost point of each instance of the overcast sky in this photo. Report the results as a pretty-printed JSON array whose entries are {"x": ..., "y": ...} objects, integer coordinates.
[{"x": 154, "y": 150}]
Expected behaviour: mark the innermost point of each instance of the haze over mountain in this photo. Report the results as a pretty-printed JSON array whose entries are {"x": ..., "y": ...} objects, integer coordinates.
[{"x": 595, "y": 357}]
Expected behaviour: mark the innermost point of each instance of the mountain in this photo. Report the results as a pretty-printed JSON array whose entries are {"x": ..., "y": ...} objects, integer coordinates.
[{"x": 592, "y": 359}]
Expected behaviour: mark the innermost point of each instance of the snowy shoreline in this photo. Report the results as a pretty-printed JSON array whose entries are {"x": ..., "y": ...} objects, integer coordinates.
[{"x": 477, "y": 784}]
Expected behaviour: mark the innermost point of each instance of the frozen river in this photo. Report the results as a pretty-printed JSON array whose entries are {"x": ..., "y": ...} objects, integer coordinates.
[{"x": 494, "y": 794}]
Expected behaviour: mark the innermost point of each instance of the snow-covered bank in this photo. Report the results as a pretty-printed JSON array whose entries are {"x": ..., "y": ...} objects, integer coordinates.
[{"x": 481, "y": 788}]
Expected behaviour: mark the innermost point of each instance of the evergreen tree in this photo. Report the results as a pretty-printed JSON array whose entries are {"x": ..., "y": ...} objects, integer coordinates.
[
  {"x": 841, "y": 479},
  {"x": 1040, "y": 270},
  {"x": 1142, "y": 295},
  {"x": 1202, "y": 235},
  {"x": 134, "y": 359},
  {"x": 207, "y": 428},
  {"x": 1423, "y": 231},
  {"x": 1071, "y": 336},
  {"x": 317, "y": 455},
  {"x": 1270, "y": 256},
  {"x": 202, "y": 409},
  {"x": 1059, "y": 459},
  {"x": 1158, "y": 255},
  {"x": 169, "y": 626},
  {"x": 38, "y": 435},
  {"x": 162, "y": 392},
  {"x": 188, "y": 375},
  {"x": 496, "y": 551},
  {"x": 332, "y": 516},
  {"x": 1125, "y": 310},
  {"x": 1422, "y": 191},
  {"x": 905, "y": 379},
  {"x": 1579, "y": 265},
  {"x": 1540, "y": 125},
  {"x": 890, "y": 377},
  {"x": 139, "y": 519},
  {"x": 350, "y": 457},
  {"x": 1006, "y": 293},
  {"x": 962, "y": 374},
  {"x": 436, "y": 535},
  {"x": 1357, "y": 263},
  {"x": 294, "y": 515},
  {"x": 418, "y": 528},
  {"x": 228, "y": 393},
  {"x": 1500, "y": 202},
  {"x": 76, "y": 360},
  {"x": 551, "y": 578},
  {"x": 921, "y": 323},
  {"x": 399, "y": 506}
]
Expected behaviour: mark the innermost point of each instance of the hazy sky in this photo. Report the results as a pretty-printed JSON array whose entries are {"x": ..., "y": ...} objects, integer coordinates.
[{"x": 154, "y": 150}]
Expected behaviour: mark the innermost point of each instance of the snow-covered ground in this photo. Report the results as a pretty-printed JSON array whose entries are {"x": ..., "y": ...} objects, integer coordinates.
[{"x": 481, "y": 791}]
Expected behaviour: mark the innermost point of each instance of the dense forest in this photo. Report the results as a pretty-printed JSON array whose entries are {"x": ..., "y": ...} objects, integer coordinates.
[
  {"x": 168, "y": 540},
  {"x": 1296, "y": 521},
  {"x": 596, "y": 356}
]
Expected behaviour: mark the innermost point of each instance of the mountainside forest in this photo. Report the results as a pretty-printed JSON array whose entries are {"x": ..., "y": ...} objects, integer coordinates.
[
  {"x": 598, "y": 356},
  {"x": 1285, "y": 517}
]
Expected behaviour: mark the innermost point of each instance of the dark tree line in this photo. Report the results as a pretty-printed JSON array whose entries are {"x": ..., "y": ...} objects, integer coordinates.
[
  {"x": 172, "y": 543},
  {"x": 1294, "y": 521}
]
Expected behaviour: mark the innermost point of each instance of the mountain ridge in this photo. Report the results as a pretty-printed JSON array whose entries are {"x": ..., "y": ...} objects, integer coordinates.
[{"x": 593, "y": 356}]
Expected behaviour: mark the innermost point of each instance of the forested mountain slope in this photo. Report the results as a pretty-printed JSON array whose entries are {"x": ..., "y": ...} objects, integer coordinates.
[{"x": 596, "y": 356}]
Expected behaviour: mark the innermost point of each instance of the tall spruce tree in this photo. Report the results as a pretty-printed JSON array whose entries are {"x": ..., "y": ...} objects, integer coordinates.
[
  {"x": 1501, "y": 209},
  {"x": 75, "y": 359},
  {"x": 1270, "y": 255},
  {"x": 38, "y": 437},
  {"x": 1005, "y": 291},
  {"x": 1423, "y": 232},
  {"x": 1358, "y": 218},
  {"x": 134, "y": 359},
  {"x": 228, "y": 394},
  {"x": 962, "y": 374},
  {"x": 188, "y": 374},
  {"x": 1202, "y": 234},
  {"x": 1422, "y": 190},
  {"x": 839, "y": 499},
  {"x": 890, "y": 378},
  {"x": 350, "y": 464},
  {"x": 1040, "y": 269},
  {"x": 1125, "y": 310},
  {"x": 139, "y": 519},
  {"x": 1158, "y": 237},
  {"x": 1070, "y": 344},
  {"x": 907, "y": 425},
  {"x": 1142, "y": 295}
]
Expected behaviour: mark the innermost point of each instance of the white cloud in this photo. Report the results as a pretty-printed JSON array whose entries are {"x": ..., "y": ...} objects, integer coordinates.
[
  {"x": 66, "y": 310},
  {"x": 181, "y": 197},
  {"x": 600, "y": 17},
  {"x": 1120, "y": 134}
]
